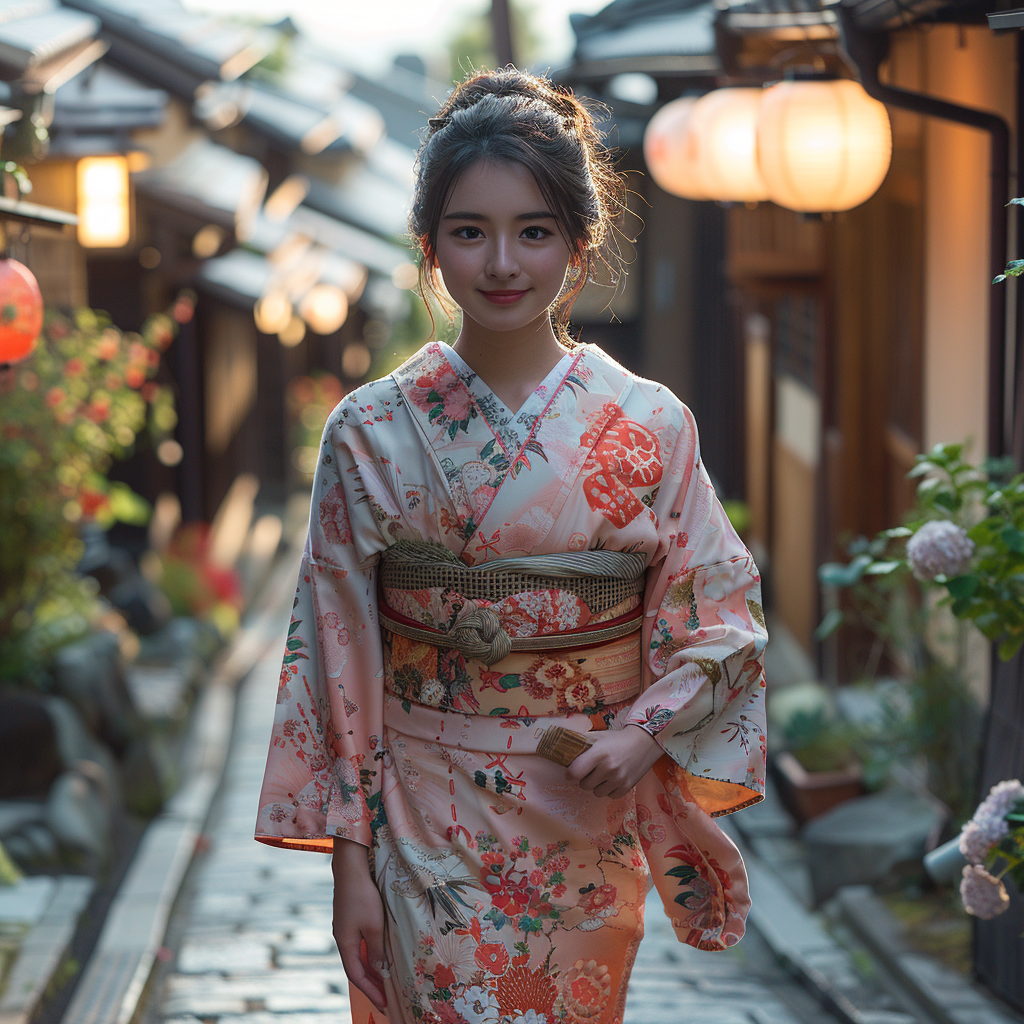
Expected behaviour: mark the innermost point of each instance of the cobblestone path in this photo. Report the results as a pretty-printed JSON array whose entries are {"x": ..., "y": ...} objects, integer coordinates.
[{"x": 252, "y": 941}]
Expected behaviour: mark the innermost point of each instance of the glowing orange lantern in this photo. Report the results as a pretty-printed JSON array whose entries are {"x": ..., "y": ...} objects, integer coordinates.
[
  {"x": 822, "y": 145},
  {"x": 21, "y": 311},
  {"x": 669, "y": 150}
]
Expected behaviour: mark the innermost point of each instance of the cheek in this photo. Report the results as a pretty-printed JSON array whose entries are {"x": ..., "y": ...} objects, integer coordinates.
[
  {"x": 457, "y": 265},
  {"x": 550, "y": 268}
]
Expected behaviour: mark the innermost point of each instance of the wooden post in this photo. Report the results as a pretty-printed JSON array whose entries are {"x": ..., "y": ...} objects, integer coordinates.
[{"x": 501, "y": 32}]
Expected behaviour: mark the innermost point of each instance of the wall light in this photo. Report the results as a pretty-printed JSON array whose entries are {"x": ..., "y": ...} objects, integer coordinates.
[{"x": 104, "y": 202}]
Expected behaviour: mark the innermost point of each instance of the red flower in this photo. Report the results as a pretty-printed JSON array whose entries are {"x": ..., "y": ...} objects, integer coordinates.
[
  {"x": 91, "y": 502},
  {"x": 183, "y": 310},
  {"x": 54, "y": 397},
  {"x": 493, "y": 957},
  {"x": 134, "y": 377},
  {"x": 74, "y": 367},
  {"x": 108, "y": 346},
  {"x": 598, "y": 899},
  {"x": 444, "y": 976},
  {"x": 99, "y": 410}
]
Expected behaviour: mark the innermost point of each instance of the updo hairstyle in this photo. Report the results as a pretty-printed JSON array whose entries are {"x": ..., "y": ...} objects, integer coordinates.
[{"x": 511, "y": 115}]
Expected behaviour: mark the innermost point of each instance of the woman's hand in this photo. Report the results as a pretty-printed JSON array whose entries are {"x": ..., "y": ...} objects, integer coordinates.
[
  {"x": 359, "y": 919},
  {"x": 616, "y": 762}
]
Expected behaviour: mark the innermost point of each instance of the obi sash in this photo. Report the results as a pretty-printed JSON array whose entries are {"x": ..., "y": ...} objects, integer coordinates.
[{"x": 564, "y": 630}]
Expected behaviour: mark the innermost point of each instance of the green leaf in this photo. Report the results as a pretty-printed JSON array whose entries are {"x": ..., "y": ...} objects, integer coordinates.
[
  {"x": 127, "y": 506},
  {"x": 923, "y": 466},
  {"x": 990, "y": 623},
  {"x": 499, "y": 711},
  {"x": 1013, "y": 538},
  {"x": 898, "y": 531},
  {"x": 1010, "y": 646},
  {"x": 509, "y": 682},
  {"x": 828, "y": 625},
  {"x": 835, "y": 574},
  {"x": 882, "y": 568},
  {"x": 684, "y": 872},
  {"x": 963, "y": 587},
  {"x": 294, "y": 643}
]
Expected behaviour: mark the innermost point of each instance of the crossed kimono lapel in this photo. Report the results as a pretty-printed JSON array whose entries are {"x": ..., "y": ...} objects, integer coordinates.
[
  {"x": 509, "y": 475},
  {"x": 563, "y": 429}
]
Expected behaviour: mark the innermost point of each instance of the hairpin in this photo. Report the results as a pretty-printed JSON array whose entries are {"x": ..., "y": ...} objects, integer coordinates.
[{"x": 439, "y": 122}]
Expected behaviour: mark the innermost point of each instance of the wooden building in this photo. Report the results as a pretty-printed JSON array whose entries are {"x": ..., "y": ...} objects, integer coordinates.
[{"x": 841, "y": 346}]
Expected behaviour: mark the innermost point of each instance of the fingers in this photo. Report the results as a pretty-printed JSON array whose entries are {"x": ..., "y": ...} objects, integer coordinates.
[
  {"x": 581, "y": 766},
  {"x": 360, "y": 973}
]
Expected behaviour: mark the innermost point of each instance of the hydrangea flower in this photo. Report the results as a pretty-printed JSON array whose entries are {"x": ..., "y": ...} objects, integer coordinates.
[
  {"x": 989, "y": 823},
  {"x": 983, "y": 894},
  {"x": 939, "y": 548}
]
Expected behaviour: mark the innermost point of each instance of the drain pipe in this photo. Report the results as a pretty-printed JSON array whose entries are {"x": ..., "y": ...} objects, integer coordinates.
[{"x": 866, "y": 50}]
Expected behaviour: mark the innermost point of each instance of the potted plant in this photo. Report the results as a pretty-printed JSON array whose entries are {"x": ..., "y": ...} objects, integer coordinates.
[{"x": 820, "y": 763}]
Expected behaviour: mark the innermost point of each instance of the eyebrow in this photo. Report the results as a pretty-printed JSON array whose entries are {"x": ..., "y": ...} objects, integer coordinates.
[{"x": 464, "y": 215}]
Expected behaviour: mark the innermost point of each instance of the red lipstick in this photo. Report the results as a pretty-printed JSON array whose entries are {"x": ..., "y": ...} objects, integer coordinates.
[{"x": 504, "y": 297}]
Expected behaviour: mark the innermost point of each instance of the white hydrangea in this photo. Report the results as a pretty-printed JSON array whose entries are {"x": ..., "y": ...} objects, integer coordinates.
[
  {"x": 939, "y": 548},
  {"x": 983, "y": 894}
]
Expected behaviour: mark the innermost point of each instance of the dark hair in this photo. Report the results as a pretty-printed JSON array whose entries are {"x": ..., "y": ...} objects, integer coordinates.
[{"x": 514, "y": 116}]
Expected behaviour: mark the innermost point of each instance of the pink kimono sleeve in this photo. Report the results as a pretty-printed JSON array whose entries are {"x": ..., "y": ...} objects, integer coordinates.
[
  {"x": 703, "y": 642},
  {"x": 322, "y": 779}
]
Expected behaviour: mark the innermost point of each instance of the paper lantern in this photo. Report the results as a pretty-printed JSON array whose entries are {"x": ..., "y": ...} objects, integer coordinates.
[
  {"x": 21, "y": 311},
  {"x": 325, "y": 308},
  {"x": 670, "y": 155},
  {"x": 273, "y": 312},
  {"x": 822, "y": 145},
  {"x": 104, "y": 202},
  {"x": 722, "y": 143}
]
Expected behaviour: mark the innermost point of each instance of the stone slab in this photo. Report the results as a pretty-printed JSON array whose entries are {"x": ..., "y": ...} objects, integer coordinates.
[
  {"x": 231, "y": 957},
  {"x": 26, "y": 901},
  {"x": 44, "y": 946}
]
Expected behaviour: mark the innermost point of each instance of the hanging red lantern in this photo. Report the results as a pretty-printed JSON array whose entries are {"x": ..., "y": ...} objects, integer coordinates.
[{"x": 21, "y": 311}]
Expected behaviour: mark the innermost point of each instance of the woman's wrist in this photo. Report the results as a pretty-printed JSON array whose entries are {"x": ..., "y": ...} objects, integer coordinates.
[
  {"x": 348, "y": 853},
  {"x": 648, "y": 747}
]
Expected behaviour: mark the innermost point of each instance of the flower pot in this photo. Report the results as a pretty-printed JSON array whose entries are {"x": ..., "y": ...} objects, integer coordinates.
[{"x": 808, "y": 794}]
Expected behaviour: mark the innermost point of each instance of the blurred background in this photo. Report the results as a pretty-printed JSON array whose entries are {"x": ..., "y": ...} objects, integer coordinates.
[{"x": 203, "y": 214}]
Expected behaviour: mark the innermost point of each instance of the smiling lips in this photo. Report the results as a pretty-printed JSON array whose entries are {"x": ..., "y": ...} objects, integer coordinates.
[{"x": 504, "y": 298}]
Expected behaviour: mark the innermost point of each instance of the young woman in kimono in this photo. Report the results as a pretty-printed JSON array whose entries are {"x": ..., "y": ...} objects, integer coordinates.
[{"x": 511, "y": 534}]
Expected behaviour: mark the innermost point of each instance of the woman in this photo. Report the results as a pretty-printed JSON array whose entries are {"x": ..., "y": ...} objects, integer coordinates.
[{"x": 510, "y": 534}]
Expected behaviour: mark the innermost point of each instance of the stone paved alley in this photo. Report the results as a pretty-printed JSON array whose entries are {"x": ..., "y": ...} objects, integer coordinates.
[{"x": 250, "y": 940}]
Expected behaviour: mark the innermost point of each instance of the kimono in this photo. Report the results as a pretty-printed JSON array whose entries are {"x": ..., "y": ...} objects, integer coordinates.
[{"x": 509, "y": 893}]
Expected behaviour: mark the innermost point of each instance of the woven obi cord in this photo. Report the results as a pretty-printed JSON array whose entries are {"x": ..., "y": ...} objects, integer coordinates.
[{"x": 601, "y": 579}]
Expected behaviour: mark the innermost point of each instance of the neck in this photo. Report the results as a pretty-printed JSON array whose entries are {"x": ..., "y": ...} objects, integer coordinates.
[{"x": 513, "y": 363}]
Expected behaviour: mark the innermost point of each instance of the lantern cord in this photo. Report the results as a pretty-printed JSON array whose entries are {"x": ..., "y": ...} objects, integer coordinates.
[{"x": 865, "y": 51}]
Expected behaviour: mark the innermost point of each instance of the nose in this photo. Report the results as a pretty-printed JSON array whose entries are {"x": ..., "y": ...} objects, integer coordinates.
[{"x": 501, "y": 262}]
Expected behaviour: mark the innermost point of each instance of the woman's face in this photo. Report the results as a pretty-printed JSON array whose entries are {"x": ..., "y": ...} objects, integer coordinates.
[{"x": 499, "y": 249}]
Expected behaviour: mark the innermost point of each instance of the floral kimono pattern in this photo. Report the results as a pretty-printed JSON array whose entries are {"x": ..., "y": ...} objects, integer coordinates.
[{"x": 510, "y": 894}]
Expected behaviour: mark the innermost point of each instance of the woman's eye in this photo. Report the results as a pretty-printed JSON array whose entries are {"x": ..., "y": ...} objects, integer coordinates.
[
  {"x": 473, "y": 232},
  {"x": 535, "y": 233}
]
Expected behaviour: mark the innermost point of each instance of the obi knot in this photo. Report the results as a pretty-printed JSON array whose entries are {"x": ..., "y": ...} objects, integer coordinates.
[{"x": 481, "y": 635}]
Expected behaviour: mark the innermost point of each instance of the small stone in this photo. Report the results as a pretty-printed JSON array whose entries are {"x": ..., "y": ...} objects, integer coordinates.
[
  {"x": 862, "y": 839},
  {"x": 29, "y": 760},
  {"x": 79, "y": 817}
]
